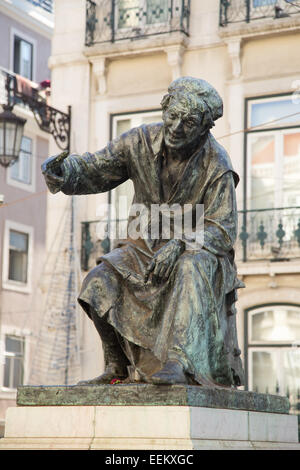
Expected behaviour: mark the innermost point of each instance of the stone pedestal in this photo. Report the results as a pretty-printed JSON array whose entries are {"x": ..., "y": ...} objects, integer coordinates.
[{"x": 145, "y": 417}]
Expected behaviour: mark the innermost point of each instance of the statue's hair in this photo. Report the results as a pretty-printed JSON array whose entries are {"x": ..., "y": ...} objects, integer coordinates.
[{"x": 198, "y": 95}]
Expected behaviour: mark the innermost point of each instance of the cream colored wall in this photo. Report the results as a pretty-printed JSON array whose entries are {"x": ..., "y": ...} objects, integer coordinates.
[
  {"x": 271, "y": 56},
  {"x": 141, "y": 75}
]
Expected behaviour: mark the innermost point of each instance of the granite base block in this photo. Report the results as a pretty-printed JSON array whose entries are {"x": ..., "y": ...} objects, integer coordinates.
[
  {"x": 151, "y": 395},
  {"x": 145, "y": 417}
]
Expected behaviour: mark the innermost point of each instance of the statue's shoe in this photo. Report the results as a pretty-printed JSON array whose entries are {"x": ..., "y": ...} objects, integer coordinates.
[
  {"x": 172, "y": 373},
  {"x": 111, "y": 372}
]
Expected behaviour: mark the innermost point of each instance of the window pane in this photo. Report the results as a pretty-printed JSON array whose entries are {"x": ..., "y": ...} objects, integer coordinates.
[
  {"x": 18, "y": 256},
  {"x": 276, "y": 325},
  {"x": 264, "y": 369},
  {"x": 14, "y": 361},
  {"x": 123, "y": 126},
  {"x": 17, "y": 372},
  {"x": 7, "y": 369},
  {"x": 14, "y": 344},
  {"x": 291, "y": 377},
  {"x": 18, "y": 241},
  {"x": 262, "y": 149},
  {"x": 260, "y": 3},
  {"x": 268, "y": 111},
  {"x": 17, "y": 42},
  {"x": 128, "y": 13},
  {"x": 157, "y": 11},
  {"x": 277, "y": 371},
  {"x": 26, "y": 59},
  {"x": 21, "y": 169},
  {"x": 291, "y": 169}
]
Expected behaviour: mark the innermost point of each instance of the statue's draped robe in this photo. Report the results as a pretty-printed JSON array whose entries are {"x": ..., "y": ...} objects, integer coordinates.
[{"x": 190, "y": 317}]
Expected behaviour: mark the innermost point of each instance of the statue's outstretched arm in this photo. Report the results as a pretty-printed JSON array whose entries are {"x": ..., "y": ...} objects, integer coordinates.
[{"x": 89, "y": 173}]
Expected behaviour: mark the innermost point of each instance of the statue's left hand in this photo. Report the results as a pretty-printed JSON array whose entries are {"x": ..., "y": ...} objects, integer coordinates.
[{"x": 164, "y": 261}]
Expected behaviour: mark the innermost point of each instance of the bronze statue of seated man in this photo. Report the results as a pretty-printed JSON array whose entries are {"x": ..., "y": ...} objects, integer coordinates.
[{"x": 163, "y": 308}]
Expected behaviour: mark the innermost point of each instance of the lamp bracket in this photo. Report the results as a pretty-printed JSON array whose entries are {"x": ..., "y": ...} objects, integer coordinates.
[{"x": 49, "y": 119}]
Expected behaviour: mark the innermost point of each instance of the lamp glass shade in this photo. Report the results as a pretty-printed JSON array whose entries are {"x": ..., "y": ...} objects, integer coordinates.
[{"x": 11, "y": 132}]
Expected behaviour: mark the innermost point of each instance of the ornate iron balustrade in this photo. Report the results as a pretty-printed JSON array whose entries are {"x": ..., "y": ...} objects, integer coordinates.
[
  {"x": 16, "y": 90},
  {"x": 269, "y": 234},
  {"x": 46, "y": 5},
  {"x": 265, "y": 234},
  {"x": 116, "y": 20},
  {"x": 239, "y": 11}
]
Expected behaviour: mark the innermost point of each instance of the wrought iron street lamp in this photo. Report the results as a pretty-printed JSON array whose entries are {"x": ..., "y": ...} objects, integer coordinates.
[
  {"x": 49, "y": 119},
  {"x": 11, "y": 132}
]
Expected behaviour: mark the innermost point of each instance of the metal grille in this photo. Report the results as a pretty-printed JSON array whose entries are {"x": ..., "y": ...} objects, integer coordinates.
[
  {"x": 115, "y": 20},
  {"x": 238, "y": 11},
  {"x": 44, "y": 4},
  {"x": 269, "y": 234}
]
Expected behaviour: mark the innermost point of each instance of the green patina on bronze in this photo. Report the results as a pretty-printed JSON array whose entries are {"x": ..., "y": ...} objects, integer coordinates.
[
  {"x": 161, "y": 307},
  {"x": 150, "y": 395}
]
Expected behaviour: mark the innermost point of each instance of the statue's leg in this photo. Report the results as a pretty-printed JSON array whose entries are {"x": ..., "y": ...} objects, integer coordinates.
[
  {"x": 190, "y": 338},
  {"x": 114, "y": 358}
]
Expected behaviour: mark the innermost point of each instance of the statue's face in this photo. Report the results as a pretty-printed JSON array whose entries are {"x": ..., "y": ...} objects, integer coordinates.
[{"x": 181, "y": 126}]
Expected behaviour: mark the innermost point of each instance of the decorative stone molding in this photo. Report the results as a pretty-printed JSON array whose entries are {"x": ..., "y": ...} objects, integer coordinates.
[
  {"x": 264, "y": 27},
  {"x": 175, "y": 57},
  {"x": 99, "y": 72},
  {"x": 234, "y": 51}
]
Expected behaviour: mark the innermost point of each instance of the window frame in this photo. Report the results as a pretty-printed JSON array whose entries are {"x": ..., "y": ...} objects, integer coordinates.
[
  {"x": 31, "y": 187},
  {"x": 113, "y": 216},
  {"x": 9, "y": 330},
  {"x": 29, "y": 39},
  {"x": 248, "y": 131},
  {"x": 114, "y": 118},
  {"x": 262, "y": 345},
  {"x": 7, "y": 283}
]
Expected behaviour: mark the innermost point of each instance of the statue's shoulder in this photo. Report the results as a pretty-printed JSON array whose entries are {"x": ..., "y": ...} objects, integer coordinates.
[{"x": 219, "y": 160}]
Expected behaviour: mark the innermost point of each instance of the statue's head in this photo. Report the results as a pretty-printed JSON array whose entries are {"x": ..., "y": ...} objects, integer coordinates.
[{"x": 189, "y": 109}]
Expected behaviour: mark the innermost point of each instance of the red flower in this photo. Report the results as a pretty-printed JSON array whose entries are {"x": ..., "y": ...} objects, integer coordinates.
[{"x": 115, "y": 381}]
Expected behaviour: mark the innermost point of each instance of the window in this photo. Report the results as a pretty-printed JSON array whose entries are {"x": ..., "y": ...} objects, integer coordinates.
[
  {"x": 17, "y": 257},
  {"x": 23, "y": 57},
  {"x": 273, "y": 152},
  {"x": 139, "y": 13},
  {"x": 13, "y": 374},
  {"x": 120, "y": 124},
  {"x": 22, "y": 173},
  {"x": 261, "y": 3},
  {"x": 273, "y": 351},
  {"x": 21, "y": 169}
]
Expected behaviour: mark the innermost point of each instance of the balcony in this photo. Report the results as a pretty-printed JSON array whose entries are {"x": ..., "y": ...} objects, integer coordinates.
[
  {"x": 246, "y": 11},
  {"x": 109, "y": 21},
  {"x": 269, "y": 234}
]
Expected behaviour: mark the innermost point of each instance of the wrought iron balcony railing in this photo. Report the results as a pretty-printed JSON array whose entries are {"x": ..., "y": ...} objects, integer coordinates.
[
  {"x": 265, "y": 234},
  {"x": 269, "y": 234},
  {"x": 46, "y": 5},
  {"x": 239, "y": 11},
  {"x": 116, "y": 20}
]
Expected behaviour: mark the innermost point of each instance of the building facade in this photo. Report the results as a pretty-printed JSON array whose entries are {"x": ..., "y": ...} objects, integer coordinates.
[
  {"x": 25, "y": 34},
  {"x": 113, "y": 62}
]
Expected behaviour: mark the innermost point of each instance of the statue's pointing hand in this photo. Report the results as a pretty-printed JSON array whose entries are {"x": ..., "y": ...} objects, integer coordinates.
[
  {"x": 164, "y": 261},
  {"x": 52, "y": 172}
]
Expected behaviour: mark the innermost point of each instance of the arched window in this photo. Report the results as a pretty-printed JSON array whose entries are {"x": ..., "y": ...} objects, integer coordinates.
[{"x": 272, "y": 359}]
